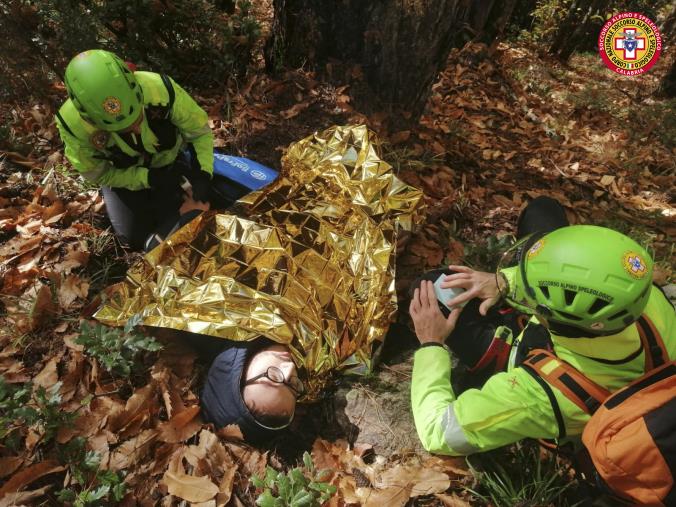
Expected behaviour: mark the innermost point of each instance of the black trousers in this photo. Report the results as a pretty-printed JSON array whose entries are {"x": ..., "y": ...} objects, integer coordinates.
[
  {"x": 474, "y": 332},
  {"x": 137, "y": 214}
]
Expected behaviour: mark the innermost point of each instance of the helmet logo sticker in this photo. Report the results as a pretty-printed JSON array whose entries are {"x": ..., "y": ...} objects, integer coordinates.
[
  {"x": 535, "y": 249},
  {"x": 99, "y": 139},
  {"x": 112, "y": 105},
  {"x": 634, "y": 264},
  {"x": 597, "y": 325}
]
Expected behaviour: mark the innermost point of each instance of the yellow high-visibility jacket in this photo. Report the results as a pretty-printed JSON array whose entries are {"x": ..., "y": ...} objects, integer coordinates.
[
  {"x": 172, "y": 121},
  {"x": 512, "y": 405}
]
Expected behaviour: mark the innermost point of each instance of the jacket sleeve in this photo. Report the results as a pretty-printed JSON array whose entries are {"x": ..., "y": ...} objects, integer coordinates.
[
  {"x": 98, "y": 171},
  {"x": 432, "y": 397},
  {"x": 193, "y": 123},
  {"x": 509, "y": 407},
  {"x": 515, "y": 287}
]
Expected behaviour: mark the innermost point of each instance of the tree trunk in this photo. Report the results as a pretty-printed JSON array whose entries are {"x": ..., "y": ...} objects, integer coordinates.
[
  {"x": 668, "y": 25},
  {"x": 400, "y": 44},
  {"x": 579, "y": 29},
  {"x": 668, "y": 85}
]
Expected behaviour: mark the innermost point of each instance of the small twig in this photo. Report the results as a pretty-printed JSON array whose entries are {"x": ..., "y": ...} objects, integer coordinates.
[
  {"x": 397, "y": 372},
  {"x": 557, "y": 168}
]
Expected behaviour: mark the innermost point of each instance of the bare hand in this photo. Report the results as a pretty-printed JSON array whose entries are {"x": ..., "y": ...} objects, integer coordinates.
[
  {"x": 430, "y": 324},
  {"x": 190, "y": 204},
  {"x": 478, "y": 284}
]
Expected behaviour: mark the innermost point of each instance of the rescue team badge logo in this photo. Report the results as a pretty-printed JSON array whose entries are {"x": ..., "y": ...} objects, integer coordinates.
[
  {"x": 99, "y": 139},
  {"x": 634, "y": 264},
  {"x": 535, "y": 249},
  {"x": 630, "y": 43},
  {"x": 112, "y": 105}
]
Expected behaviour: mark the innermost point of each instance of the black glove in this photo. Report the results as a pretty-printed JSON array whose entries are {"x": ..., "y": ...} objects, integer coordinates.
[
  {"x": 119, "y": 159},
  {"x": 164, "y": 178},
  {"x": 201, "y": 185}
]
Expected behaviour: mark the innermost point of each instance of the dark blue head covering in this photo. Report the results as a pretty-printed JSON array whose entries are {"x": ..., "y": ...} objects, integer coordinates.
[{"x": 221, "y": 399}]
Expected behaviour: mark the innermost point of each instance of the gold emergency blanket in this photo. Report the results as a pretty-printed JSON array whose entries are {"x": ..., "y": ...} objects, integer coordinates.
[{"x": 308, "y": 261}]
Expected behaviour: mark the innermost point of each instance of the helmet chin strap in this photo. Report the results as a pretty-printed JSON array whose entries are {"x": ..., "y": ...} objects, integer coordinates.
[{"x": 568, "y": 331}]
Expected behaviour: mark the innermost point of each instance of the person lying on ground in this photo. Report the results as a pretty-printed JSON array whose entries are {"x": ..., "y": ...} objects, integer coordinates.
[
  {"x": 137, "y": 135},
  {"x": 297, "y": 278},
  {"x": 586, "y": 288}
]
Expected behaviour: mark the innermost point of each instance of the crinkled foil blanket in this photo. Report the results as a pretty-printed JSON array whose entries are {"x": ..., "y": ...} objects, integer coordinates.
[{"x": 308, "y": 261}]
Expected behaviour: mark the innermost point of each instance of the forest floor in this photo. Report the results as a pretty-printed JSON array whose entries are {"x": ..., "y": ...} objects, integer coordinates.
[{"x": 498, "y": 130}]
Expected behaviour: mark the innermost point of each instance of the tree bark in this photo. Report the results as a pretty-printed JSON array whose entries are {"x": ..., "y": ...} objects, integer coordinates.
[
  {"x": 668, "y": 85},
  {"x": 401, "y": 45},
  {"x": 579, "y": 28},
  {"x": 668, "y": 25}
]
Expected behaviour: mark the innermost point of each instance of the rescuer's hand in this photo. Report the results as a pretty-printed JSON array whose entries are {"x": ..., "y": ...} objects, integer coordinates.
[
  {"x": 477, "y": 284},
  {"x": 430, "y": 324}
]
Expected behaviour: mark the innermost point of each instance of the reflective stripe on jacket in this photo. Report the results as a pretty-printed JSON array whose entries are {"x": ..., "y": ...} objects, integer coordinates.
[
  {"x": 512, "y": 405},
  {"x": 87, "y": 147}
]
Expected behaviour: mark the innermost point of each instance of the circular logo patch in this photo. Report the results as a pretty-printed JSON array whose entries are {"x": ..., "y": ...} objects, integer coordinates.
[
  {"x": 630, "y": 43},
  {"x": 99, "y": 139},
  {"x": 634, "y": 264},
  {"x": 535, "y": 249},
  {"x": 112, "y": 105},
  {"x": 259, "y": 175}
]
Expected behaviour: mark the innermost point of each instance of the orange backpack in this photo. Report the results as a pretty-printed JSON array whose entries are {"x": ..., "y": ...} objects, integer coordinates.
[{"x": 631, "y": 436}]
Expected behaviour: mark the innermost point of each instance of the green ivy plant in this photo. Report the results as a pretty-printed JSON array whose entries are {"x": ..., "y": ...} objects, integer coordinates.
[
  {"x": 90, "y": 485},
  {"x": 21, "y": 407},
  {"x": 115, "y": 349},
  {"x": 299, "y": 487}
]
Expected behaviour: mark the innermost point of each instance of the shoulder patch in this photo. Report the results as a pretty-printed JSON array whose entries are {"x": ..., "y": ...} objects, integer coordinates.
[{"x": 99, "y": 139}]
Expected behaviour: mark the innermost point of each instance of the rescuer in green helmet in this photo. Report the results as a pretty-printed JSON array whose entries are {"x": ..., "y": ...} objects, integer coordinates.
[
  {"x": 140, "y": 136},
  {"x": 585, "y": 290}
]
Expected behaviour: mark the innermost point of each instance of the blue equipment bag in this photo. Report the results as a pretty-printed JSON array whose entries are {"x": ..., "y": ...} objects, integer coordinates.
[
  {"x": 234, "y": 177},
  {"x": 247, "y": 173}
]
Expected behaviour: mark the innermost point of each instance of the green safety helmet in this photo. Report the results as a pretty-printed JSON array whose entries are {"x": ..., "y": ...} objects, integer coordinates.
[
  {"x": 592, "y": 278},
  {"x": 103, "y": 90}
]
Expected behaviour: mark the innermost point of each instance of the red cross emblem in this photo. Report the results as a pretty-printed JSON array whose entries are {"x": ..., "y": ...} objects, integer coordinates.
[
  {"x": 629, "y": 44},
  {"x": 513, "y": 382}
]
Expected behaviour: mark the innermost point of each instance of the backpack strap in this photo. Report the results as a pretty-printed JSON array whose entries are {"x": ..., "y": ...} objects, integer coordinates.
[
  {"x": 170, "y": 90},
  {"x": 497, "y": 354},
  {"x": 552, "y": 398},
  {"x": 587, "y": 395},
  {"x": 653, "y": 345},
  {"x": 64, "y": 124}
]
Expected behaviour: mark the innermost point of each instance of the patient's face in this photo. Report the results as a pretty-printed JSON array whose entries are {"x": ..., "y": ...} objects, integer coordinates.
[{"x": 265, "y": 398}]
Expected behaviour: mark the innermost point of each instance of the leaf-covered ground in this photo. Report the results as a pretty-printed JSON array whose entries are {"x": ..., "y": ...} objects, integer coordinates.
[{"x": 498, "y": 130}]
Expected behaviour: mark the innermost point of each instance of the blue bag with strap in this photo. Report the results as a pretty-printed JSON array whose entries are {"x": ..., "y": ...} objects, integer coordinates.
[{"x": 249, "y": 174}]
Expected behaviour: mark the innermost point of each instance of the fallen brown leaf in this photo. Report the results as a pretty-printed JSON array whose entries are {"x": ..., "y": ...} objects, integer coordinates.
[
  {"x": 418, "y": 480},
  {"x": 182, "y": 426},
  {"x": 395, "y": 496},
  {"x": 72, "y": 288},
  {"x": 48, "y": 376},
  {"x": 28, "y": 475},
  {"x": 230, "y": 432},
  {"x": 132, "y": 450},
  {"x": 140, "y": 406},
  {"x": 9, "y": 464},
  {"x": 24, "y": 497},
  {"x": 189, "y": 487},
  {"x": 452, "y": 500}
]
